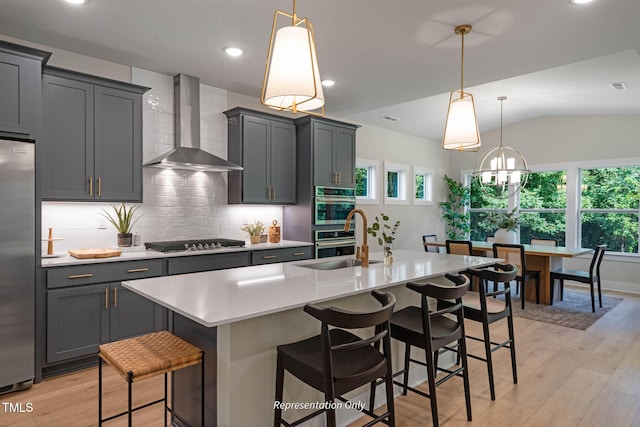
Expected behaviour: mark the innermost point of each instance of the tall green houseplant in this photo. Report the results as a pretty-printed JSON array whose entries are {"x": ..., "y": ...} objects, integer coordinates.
[{"x": 454, "y": 210}]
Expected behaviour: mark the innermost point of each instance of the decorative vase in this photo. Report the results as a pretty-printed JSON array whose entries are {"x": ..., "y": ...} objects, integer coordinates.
[
  {"x": 388, "y": 257},
  {"x": 254, "y": 239},
  {"x": 125, "y": 240},
  {"x": 505, "y": 236}
]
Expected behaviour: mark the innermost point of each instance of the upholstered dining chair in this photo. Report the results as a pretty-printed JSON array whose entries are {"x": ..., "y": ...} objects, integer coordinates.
[
  {"x": 589, "y": 277},
  {"x": 514, "y": 254},
  {"x": 459, "y": 247},
  {"x": 543, "y": 242},
  {"x": 427, "y": 238}
]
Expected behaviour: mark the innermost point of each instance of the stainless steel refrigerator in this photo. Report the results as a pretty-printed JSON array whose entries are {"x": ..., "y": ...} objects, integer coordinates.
[{"x": 17, "y": 264}]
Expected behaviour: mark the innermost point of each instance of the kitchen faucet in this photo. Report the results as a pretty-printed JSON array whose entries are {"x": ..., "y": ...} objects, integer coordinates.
[{"x": 362, "y": 252}]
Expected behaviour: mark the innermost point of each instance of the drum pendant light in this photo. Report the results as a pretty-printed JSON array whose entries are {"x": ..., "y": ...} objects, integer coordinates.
[
  {"x": 503, "y": 170},
  {"x": 461, "y": 128},
  {"x": 291, "y": 77}
]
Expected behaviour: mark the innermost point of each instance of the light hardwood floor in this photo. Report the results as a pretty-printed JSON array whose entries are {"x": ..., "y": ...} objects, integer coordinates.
[{"x": 566, "y": 377}]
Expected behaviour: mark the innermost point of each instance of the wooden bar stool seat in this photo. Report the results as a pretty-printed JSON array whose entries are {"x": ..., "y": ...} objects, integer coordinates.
[{"x": 146, "y": 356}]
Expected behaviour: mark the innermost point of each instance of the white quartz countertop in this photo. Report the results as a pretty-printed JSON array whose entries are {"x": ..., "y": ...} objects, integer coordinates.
[
  {"x": 139, "y": 253},
  {"x": 215, "y": 298}
]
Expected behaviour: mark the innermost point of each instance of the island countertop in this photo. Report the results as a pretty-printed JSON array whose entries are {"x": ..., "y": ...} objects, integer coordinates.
[{"x": 221, "y": 297}]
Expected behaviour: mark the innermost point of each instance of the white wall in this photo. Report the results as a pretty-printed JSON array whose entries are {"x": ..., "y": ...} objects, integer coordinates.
[
  {"x": 384, "y": 145},
  {"x": 578, "y": 140}
]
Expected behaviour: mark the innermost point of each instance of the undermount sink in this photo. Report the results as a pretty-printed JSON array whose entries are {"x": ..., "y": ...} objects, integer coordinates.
[{"x": 337, "y": 264}]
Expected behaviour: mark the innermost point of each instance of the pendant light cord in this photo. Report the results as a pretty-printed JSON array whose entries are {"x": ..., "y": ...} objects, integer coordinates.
[{"x": 462, "y": 68}]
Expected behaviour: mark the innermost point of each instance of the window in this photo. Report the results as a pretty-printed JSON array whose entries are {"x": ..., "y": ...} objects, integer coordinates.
[
  {"x": 395, "y": 184},
  {"x": 609, "y": 208},
  {"x": 542, "y": 204},
  {"x": 366, "y": 178},
  {"x": 422, "y": 186}
]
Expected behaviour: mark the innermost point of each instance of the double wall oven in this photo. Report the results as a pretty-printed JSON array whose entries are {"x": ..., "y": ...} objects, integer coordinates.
[{"x": 331, "y": 207}]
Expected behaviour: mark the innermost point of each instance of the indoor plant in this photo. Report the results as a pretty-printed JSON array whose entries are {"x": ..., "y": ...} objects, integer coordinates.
[
  {"x": 507, "y": 223},
  {"x": 254, "y": 230},
  {"x": 454, "y": 210},
  {"x": 385, "y": 234},
  {"x": 123, "y": 221}
]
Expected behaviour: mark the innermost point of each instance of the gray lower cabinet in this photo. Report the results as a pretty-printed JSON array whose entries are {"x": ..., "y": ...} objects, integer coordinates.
[
  {"x": 86, "y": 306},
  {"x": 210, "y": 262},
  {"x": 92, "y": 148},
  {"x": 265, "y": 146},
  {"x": 332, "y": 146},
  {"x": 269, "y": 256},
  {"x": 20, "y": 69}
]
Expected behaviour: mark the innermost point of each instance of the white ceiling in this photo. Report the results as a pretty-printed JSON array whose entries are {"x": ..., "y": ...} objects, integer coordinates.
[{"x": 399, "y": 58}]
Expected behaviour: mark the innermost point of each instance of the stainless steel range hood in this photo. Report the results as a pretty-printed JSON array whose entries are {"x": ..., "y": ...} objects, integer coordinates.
[{"x": 188, "y": 154}]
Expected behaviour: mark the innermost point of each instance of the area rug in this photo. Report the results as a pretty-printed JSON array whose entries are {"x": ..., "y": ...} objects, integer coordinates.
[{"x": 573, "y": 312}]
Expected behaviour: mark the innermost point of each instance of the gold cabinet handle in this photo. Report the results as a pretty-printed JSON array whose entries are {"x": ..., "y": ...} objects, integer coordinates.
[
  {"x": 81, "y": 276},
  {"x": 339, "y": 178},
  {"x": 99, "y": 187},
  {"x": 268, "y": 193},
  {"x": 270, "y": 256},
  {"x": 115, "y": 297},
  {"x": 106, "y": 298},
  {"x": 274, "y": 193},
  {"x": 91, "y": 186},
  {"x": 138, "y": 270},
  {"x": 298, "y": 253}
]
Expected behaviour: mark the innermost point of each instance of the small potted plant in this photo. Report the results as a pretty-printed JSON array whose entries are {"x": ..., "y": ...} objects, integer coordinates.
[
  {"x": 385, "y": 233},
  {"x": 254, "y": 230},
  {"x": 507, "y": 224},
  {"x": 123, "y": 221}
]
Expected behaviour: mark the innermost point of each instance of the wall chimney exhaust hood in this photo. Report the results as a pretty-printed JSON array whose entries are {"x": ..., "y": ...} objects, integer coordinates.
[{"x": 188, "y": 154}]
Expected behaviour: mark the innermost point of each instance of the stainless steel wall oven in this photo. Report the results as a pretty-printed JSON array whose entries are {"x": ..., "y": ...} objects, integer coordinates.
[
  {"x": 333, "y": 204},
  {"x": 335, "y": 242}
]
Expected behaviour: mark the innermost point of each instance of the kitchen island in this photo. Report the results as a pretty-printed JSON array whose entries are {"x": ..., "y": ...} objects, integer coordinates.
[{"x": 239, "y": 316}]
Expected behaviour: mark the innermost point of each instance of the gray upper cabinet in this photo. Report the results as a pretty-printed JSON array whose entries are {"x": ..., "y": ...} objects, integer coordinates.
[
  {"x": 332, "y": 145},
  {"x": 20, "y": 69},
  {"x": 92, "y": 148},
  {"x": 265, "y": 146}
]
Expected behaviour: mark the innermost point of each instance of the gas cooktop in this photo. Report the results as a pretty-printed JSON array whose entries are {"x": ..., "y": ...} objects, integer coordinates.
[{"x": 193, "y": 244}]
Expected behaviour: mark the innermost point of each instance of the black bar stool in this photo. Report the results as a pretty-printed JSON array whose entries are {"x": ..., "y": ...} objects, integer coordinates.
[
  {"x": 146, "y": 356},
  {"x": 337, "y": 361}
]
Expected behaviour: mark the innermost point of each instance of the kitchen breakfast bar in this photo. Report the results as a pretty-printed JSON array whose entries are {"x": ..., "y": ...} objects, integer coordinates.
[{"x": 239, "y": 316}]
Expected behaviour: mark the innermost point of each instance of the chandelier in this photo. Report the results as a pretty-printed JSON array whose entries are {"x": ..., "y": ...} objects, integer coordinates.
[{"x": 502, "y": 170}]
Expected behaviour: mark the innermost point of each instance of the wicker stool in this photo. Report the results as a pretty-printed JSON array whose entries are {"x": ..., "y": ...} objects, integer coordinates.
[{"x": 146, "y": 356}]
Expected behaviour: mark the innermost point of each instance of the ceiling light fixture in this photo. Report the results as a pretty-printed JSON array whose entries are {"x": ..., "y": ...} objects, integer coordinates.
[
  {"x": 76, "y": 1},
  {"x": 461, "y": 128},
  {"x": 581, "y": 1},
  {"x": 328, "y": 83},
  {"x": 233, "y": 51},
  {"x": 291, "y": 77},
  {"x": 503, "y": 168}
]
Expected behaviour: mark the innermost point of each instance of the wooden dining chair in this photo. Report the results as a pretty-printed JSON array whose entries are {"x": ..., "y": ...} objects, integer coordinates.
[
  {"x": 543, "y": 242},
  {"x": 459, "y": 247},
  {"x": 589, "y": 277},
  {"x": 427, "y": 238},
  {"x": 514, "y": 254}
]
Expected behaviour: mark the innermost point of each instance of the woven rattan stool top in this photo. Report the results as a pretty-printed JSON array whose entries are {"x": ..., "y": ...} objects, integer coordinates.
[{"x": 149, "y": 355}]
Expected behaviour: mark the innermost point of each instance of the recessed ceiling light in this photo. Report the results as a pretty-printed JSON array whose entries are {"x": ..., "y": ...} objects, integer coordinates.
[
  {"x": 581, "y": 1},
  {"x": 328, "y": 83},
  {"x": 233, "y": 51},
  {"x": 76, "y": 1}
]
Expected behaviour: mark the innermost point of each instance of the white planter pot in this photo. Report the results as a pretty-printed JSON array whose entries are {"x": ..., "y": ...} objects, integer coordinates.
[{"x": 505, "y": 236}]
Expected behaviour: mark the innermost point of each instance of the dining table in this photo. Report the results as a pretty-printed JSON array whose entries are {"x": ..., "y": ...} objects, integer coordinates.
[{"x": 543, "y": 258}]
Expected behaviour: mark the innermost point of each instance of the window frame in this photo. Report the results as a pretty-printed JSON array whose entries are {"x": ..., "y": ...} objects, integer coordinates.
[
  {"x": 428, "y": 175},
  {"x": 372, "y": 166},
  {"x": 403, "y": 173}
]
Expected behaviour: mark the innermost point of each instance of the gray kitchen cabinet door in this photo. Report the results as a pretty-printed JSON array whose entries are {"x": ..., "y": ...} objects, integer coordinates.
[
  {"x": 282, "y": 167},
  {"x": 345, "y": 156},
  {"x": 77, "y": 321},
  {"x": 324, "y": 136},
  {"x": 132, "y": 314},
  {"x": 17, "y": 83},
  {"x": 67, "y": 139},
  {"x": 255, "y": 146},
  {"x": 118, "y": 145}
]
